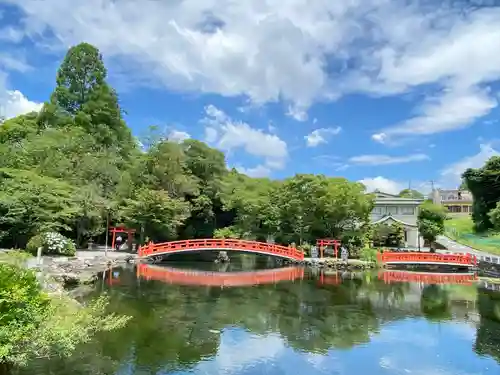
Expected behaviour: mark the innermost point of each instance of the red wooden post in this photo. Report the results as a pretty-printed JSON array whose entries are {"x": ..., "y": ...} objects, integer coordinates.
[{"x": 114, "y": 238}]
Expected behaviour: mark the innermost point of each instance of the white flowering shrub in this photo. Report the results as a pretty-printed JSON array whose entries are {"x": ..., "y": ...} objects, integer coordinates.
[{"x": 52, "y": 243}]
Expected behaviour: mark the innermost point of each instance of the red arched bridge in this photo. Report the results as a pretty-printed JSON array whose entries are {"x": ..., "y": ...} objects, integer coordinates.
[
  {"x": 414, "y": 258},
  {"x": 227, "y": 279},
  {"x": 176, "y": 247},
  {"x": 390, "y": 277}
]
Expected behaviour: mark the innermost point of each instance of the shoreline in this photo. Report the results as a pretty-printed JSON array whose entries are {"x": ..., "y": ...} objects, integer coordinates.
[
  {"x": 351, "y": 264},
  {"x": 83, "y": 268}
]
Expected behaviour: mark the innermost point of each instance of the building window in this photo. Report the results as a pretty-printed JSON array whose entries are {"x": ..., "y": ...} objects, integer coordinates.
[
  {"x": 392, "y": 210},
  {"x": 378, "y": 210},
  {"x": 405, "y": 210}
]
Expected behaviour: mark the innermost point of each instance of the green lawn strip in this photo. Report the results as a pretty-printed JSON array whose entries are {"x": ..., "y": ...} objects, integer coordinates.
[{"x": 458, "y": 228}]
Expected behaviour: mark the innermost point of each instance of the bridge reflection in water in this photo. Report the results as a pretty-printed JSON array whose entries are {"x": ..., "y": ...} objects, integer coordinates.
[
  {"x": 393, "y": 276},
  {"x": 180, "y": 276}
]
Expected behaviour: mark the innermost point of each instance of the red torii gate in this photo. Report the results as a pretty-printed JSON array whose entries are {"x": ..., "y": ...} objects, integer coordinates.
[
  {"x": 324, "y": 242},
  {"x": 115, "y": 230}
]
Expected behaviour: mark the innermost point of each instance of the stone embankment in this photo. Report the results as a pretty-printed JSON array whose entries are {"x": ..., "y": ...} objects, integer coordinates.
[
  {"x": 82, "y": 269},
  {"x": 351, "y": 264}
]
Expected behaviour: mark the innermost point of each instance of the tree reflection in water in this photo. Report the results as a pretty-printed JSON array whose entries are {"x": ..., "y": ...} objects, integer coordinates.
[{"x": 175, "y": 327}]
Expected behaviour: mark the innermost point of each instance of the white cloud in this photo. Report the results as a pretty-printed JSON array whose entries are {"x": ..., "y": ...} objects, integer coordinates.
[
  {"x": 178, "y": 136},
  {"x": 382, "y": 184},
  {"x": 14, "y": 103},
  {"x": 296, "y": 51},
  {"x": 451, "y": 110},
  {"x": 386, "y": 159},
  {"x": 228, "y": 134},
  {"x": 320, "y": 136},
  {"x": 13, "y": 62},
  {"x": 451, "y": 176},
  {"x": 11, "y": 34},
  {"x": 299, "y": 114},
  {"x": 235, "y": 353},
  {"x": 210, "y": 134},
  {"x": 258, "y": 171}
]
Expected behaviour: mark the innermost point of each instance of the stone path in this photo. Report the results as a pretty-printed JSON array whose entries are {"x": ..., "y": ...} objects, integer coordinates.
[{"x": 458, "y": 247}]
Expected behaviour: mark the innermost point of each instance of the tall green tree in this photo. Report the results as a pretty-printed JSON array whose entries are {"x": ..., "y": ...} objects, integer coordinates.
[
  {"x": 155, "y": 214},
  {"x": 81, "y": 73},
  {"x": 208, "y": 168},
  {"x": 431, "y": 218},
  {"x": 82, "y": 97},
  {"x": 484, "y": 184}
]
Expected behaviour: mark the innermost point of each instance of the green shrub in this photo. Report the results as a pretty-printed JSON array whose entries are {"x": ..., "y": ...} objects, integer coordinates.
[
  {"x": 35, "y": 325},
  {"x": 368, "y": 254},
  {"x": 24, "y": 308},
  {"x": 227, "y": 232},
  {"x": 52, "y": 243},
  {"x": 305, "y": 248}
]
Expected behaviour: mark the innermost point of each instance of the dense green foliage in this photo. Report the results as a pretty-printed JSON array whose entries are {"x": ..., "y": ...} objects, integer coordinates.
[
  {"x": 494, "y": 216},
  {"x": 431, "y": 218},
  {"x": 23, "y": 310},
  {"x": 388, "y": 235},
  {"x": 484, "y": 184},
  {"x": 35, "y": 325},
  {"x": 411, "y": 193},
  {"x": 75, "y": 165}
]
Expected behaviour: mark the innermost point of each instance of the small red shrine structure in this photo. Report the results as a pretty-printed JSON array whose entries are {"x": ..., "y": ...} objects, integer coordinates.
[
  {"x": 117, "y": 230},
  {"x": 324, "y": 242}
]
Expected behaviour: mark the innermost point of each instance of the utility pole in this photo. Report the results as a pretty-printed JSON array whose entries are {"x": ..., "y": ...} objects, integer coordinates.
[{"x": 107, "y": 232}]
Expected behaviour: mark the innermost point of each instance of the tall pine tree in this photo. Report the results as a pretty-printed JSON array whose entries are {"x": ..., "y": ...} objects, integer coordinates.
[{"x": 82, "y": 97}]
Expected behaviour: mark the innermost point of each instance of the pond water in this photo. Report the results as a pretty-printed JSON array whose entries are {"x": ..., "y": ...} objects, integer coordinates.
[{"x": 192, "y": 321}]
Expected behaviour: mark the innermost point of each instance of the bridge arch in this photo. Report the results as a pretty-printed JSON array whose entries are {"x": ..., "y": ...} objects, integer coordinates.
[{"x": 211, "y": 244}]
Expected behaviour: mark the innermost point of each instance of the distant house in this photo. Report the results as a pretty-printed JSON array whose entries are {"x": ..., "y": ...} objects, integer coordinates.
[
  {"x": 457, "y": 202},
  {"x": 391, "y": 209}
]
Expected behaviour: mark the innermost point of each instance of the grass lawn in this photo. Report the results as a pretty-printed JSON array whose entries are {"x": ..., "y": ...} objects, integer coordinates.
[
  {"x": 461, "y": 229},
  {"x": 462, "y": 292}
]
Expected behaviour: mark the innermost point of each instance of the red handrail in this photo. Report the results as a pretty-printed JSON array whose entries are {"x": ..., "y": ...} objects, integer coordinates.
[
  {"x": 153, "y": 249},
  {"x": 430, "y": 258}
]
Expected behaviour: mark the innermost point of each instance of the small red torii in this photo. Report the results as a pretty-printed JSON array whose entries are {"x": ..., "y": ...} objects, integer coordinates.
[
  {"x": 120, "y": 229},
  {"x": 324, "y": 242}
]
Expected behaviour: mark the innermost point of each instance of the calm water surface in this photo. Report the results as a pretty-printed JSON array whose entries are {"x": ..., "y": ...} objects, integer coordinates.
[{"x": 353, "y": 324}]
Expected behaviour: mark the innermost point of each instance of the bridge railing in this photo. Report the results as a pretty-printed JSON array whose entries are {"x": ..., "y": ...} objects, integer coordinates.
[
  {"x": 223, "y": 244},
  {"x": 427, "y": 278},
  {"x": 465, "y": 259}
]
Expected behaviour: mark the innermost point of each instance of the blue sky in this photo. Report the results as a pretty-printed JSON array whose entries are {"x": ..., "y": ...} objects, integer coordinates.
[{"x": 373, "y": 90}]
